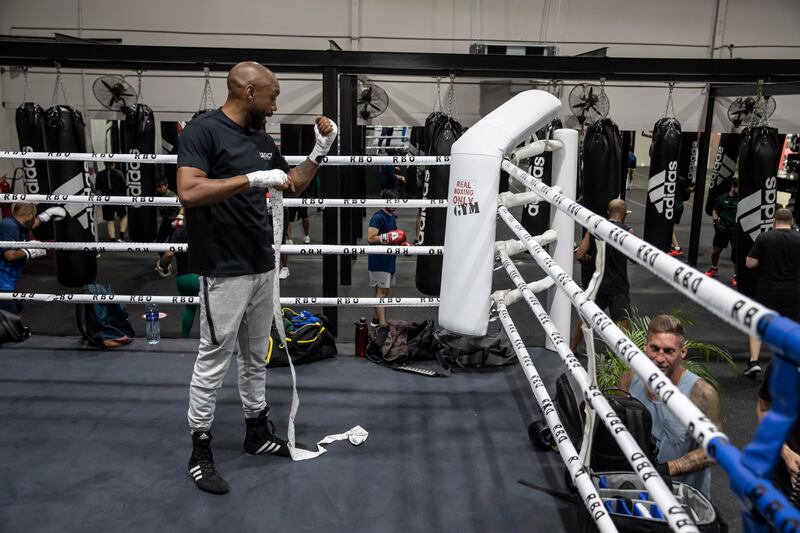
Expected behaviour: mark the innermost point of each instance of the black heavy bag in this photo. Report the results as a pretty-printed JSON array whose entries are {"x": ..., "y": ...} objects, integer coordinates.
[
  {"x": 536, "y": 217},
  {"x": 169, "y": 145},
  {"x": 30, "y": 130},
  {"x": 430, "y": 130},
  {"x": 64, "y": 132},
  {"x": 659, "y": 213},
  {"x": 602, "y": 157},
  {"x": 759, "y": 153},
  {"x": 435, "y": 124},
  {"x": 432, "y": 221},
  {"x": 724, "y": 167},
  {"x": 139, "y": 137},
  {"x": 628, "y": 138}
]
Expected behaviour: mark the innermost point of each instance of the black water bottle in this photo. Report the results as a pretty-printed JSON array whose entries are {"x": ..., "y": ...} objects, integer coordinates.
[{"x": 362, "y": 333}]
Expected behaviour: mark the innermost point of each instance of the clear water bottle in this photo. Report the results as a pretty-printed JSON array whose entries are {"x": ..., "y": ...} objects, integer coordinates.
[{"x": 152, "y": 326}]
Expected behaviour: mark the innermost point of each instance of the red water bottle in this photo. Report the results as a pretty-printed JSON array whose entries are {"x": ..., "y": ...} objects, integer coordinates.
[{"x": 362, "y": 334}]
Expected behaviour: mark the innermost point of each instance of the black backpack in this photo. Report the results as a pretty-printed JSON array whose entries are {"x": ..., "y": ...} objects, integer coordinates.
[
  {"x": 606, "y": 454},
  {"x": 102, "y": 324},
  {"x": 11, "y": 328}
]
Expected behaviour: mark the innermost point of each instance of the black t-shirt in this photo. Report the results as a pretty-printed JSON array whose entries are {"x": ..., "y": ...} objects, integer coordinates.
[
  {"x": 615, "y": 276},
  {"x": 778, "y": 254},
  {"x": 111, "y": 181},
  {"x": 233, "y": 237},
  {"x": 180, "y": 236}
]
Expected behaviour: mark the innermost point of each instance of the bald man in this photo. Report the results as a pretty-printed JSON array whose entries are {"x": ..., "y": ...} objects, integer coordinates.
[
  {"x": 225, "y": 162},
  {"x": 614, "y": 291},
  {"x": 17, "y": 227}
]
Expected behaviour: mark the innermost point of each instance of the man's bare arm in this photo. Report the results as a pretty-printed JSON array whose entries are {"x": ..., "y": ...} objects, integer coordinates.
[
  {"x": 705, "y": 397},
  {"x": 583, "y": 248},
  {"x": 301, "y": 177},
  {"x": 196, "y": 189}
]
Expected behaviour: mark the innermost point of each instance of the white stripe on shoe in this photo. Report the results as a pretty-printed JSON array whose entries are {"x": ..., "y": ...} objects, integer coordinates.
[{"x": 268, "y": 447}]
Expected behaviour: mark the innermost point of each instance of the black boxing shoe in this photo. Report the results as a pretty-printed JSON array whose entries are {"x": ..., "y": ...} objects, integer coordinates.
[
  {"x": 201, "y": 465},
  {"x": 260, "y": 438}
]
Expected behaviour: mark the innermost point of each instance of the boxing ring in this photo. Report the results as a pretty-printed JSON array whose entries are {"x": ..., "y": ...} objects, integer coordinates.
[{"x": 470, "y": 252}]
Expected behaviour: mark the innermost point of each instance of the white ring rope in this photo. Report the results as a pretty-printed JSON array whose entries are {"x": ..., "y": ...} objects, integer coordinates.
[
  {"x": 582, "y": 481},
  {"x": 351, "y": 301},
  {"x": 333, "y": 160},
  {"x": 740, "y": 311},
  {"x": 701, "y": 428},
  {"x": 144, "y": 201},
  {"x": 646, "y": 471},
  {"x": 288, "y": 249}
]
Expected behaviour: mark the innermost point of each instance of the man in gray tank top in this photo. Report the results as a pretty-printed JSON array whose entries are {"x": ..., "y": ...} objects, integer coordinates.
[{"x": 679, "y": 456}]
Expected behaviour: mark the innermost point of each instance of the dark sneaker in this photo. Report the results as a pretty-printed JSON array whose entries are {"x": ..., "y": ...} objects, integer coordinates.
[
  {"x": 260, "y": 438},
  {"x": 201, "y": 465},
  {"x": 711, "y": 272},
  {"x": 374, "y": 323},
  {"x": 753, "y": 369}
]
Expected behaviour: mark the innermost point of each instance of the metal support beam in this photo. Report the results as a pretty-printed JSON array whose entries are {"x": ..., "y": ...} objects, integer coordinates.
[
  {"x": 698, "y": 211},
  {"x": 330, "y": 189},
  {"x": 347, "y": 175},
  {"x": 769, "y": 89},
  {"x": 130, "y": 57}
]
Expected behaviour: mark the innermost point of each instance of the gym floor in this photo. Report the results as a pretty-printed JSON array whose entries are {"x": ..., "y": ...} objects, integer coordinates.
[{"x": 96, "y": 439}]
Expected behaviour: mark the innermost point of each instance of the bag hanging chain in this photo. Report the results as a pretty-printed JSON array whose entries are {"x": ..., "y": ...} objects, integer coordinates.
[
  {"x": 669, "y": 110},
  {"x": 437, "y": 97},
  {"x": 760, "y": 106},
  {"x": 207, "y": 100},
  {"x": 451, "y": 97},
  {"x": 603, "y": 94},
  {"x": 28, "y": 95},
  {"x": 59, "y": 86},
  {"x": 138, "y": 86}
]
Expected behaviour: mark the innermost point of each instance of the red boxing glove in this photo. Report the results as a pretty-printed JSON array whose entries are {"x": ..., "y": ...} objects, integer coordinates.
[{"x": 393, "y": 237}]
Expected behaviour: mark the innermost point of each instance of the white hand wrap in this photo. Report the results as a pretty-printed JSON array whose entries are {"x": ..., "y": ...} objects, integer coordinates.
[
  {"x": 324, "y": 143},
  {"x": 33, "y": 253},
  {"x": 267, "y": 178}
]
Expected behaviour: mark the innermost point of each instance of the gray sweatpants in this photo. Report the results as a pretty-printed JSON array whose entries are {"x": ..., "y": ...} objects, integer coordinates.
[{"x": 233, "y": 310}]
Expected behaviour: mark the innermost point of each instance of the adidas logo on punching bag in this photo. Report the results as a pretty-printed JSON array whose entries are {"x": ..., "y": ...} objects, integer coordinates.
[
  {"x": 661, "y": 190},
  {"x": 756, "y": 211}
]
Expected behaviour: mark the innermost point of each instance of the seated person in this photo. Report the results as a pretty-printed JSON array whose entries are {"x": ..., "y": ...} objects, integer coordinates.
[
  {"x": 17, "y": 227},
  {"x": 679, "y": 455}
]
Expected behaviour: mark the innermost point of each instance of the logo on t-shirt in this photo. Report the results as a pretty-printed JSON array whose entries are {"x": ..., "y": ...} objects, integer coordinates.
[
  {"x": 661, "y": 190},
  {"x": 266, "y": 155},
  {"x": 756, "y": 211}
]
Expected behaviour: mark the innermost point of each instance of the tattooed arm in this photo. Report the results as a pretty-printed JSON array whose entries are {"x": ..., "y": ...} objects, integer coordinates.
[{"x": 705, "y": 397}]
